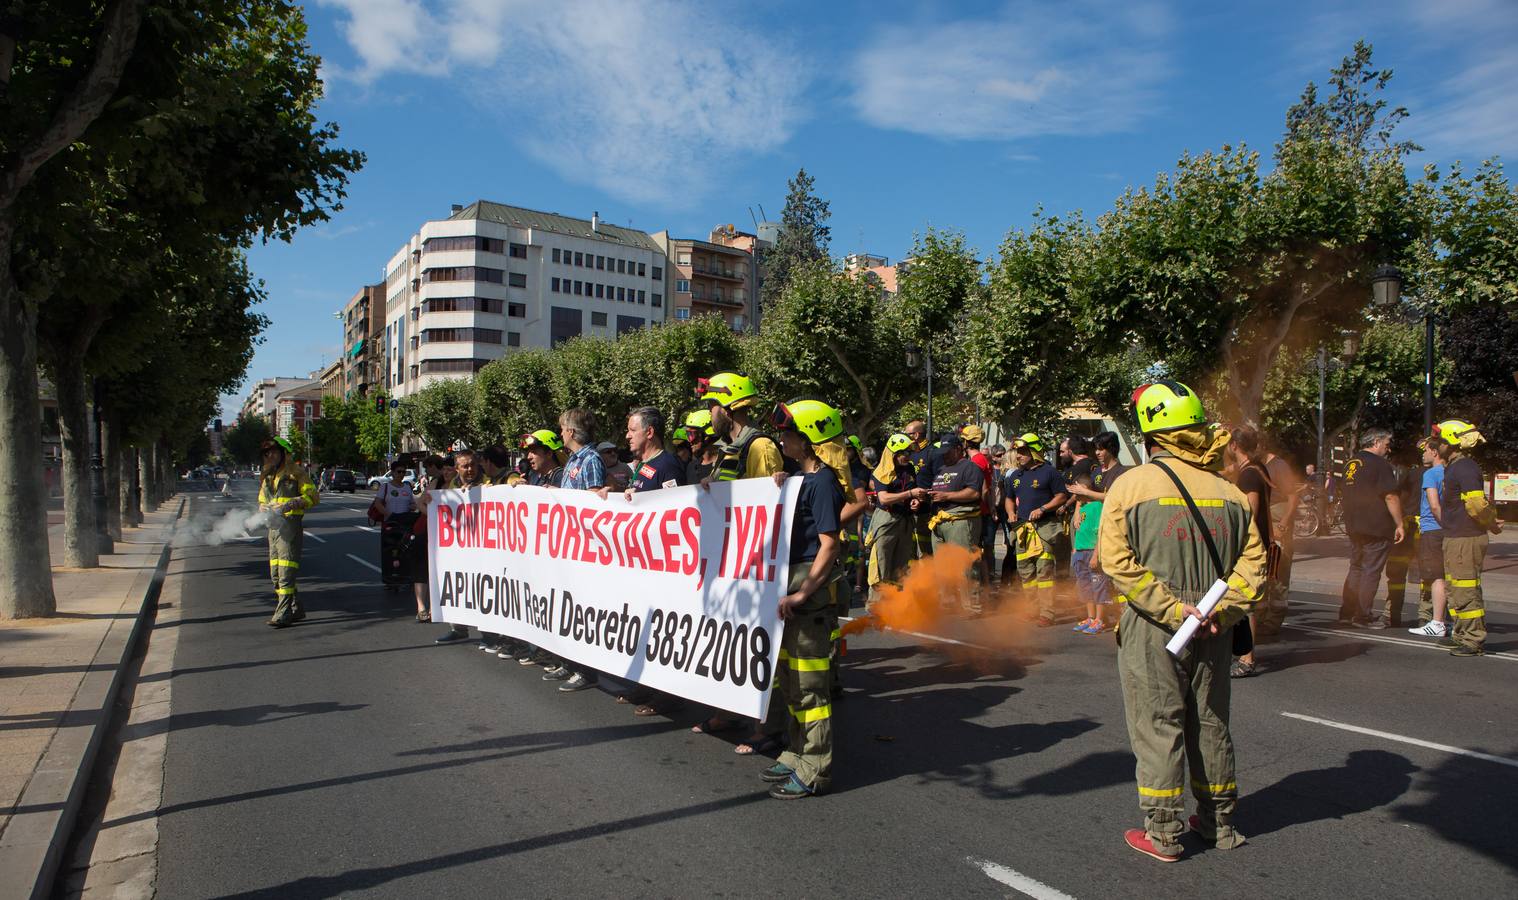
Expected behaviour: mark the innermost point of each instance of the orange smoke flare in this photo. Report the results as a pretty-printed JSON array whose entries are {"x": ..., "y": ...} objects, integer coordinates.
[{"x": 919, "y": 604}]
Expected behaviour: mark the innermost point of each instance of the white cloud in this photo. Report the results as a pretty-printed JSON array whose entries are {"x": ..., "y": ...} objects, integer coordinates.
[
  {"x": 1027, "y": 71},
  {"x": 1472, "y": 114},
  {"x": 643, "y": 100}
]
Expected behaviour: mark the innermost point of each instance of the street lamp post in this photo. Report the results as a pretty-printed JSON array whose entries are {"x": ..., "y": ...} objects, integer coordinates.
[{"x": 923, "y": 356}]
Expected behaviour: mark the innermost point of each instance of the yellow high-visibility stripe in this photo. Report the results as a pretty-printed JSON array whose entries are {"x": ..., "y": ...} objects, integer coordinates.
[
  {"x": 1468, "y": 613},
  {"x": 1470, "y": 495},
  {"x": 1046, "y": 556},
  {"x": 1043, "y": 584},
  {"x": 1200, "y": 501},
  {"x": 812, "y": 664},
  {"x": 1396, "y": 585},
  {"x": 1239, "y": 584},
  {"x": 1214, "y": 788},
  {"x": 1465, "y": 582},
  {"x": 816, "y": 714},
  {"x": 283, "y": 592},
  {"x": 1143, "y": 582},
  {"x": 1158, "y": 792},
  {"x": 287, "y": 563},
  {"x": 836, "y": 634}
]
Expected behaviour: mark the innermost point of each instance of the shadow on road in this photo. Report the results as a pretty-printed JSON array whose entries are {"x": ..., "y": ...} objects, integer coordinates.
[
  {"x": 1368, "y": 779},
  {"x": 1469, "y": 803}
]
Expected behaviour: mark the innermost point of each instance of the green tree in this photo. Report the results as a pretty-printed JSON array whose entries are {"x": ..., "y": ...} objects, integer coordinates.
[
  {"x": 1219, "y": 268},
  {"x": 243, "y": 440},
  {"x": 513, "y": 396},
  {"x": 334, "y": 436},
  {"x": 803, "y": 239},
  {"x": 441, "y": 414}
]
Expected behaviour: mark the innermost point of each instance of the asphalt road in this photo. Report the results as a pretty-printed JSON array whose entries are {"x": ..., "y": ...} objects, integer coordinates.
[{"x": 350, "y": 754}]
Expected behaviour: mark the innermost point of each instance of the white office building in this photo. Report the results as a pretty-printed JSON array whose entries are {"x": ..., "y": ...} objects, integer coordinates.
[{"x": 492, "y": 278}]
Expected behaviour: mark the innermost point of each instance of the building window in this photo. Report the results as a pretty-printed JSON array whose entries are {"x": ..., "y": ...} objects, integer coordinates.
[
  {"x": 682, "y": 314},
  {"x": 519, "y": 251},
  {"x": 553, "y": 285},
  {"x": 621, "y": 267},
  {"x": 622, "y": 294},
  {"x": 563, "y": 324},
  {"x": 556, "y": 254},
  {"x": 601, "y": 290},
  {"x": 413, "y": 372},
  {"x": 519, "y": 310},
  {"x": 598, "y": 318},
  {"x": 682, "y": 286},
  {"x": 453, "y": 365},
  {"x": 642, "y": 269},
  {"x": 461, "y": 336},
  {"x": 579, "y": 288},
  {"x": 642, "y": 296},
  {"x": 601, "y": 262},
  {"x": 464, "y": 273},
  {"x": 658, "y": 300},
  {"x": 658, "y": 274},
  {"x": 579, "y": 258},
  {"x": 683, "y": 259},
  {"x": 462, "y": 304},
  {"x": 516, "y": 279},
  {"x": 628, "y": 323},
  {"x": 513, "y": 339},
  {"x": 466, "y": 242}
]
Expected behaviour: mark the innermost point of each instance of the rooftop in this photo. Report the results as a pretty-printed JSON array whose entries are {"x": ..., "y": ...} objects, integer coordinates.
[{"x": 559, "y": 224}]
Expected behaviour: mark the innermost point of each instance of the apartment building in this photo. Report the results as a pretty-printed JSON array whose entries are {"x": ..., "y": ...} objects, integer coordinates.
[
  {"x": 297, "y": 407},
  {"x": 363, "y": 322},
  {"x": 717, "y": 276},
  {"x": 492, "y": 278},
  {"x": 875, "y": 269},
  {"x": 261, "y": 399}
]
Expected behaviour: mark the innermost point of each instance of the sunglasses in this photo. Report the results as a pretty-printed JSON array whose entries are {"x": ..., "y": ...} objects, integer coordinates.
[
  {"x": 781, "y": 418},
  {"x": 703, "y": 386}
]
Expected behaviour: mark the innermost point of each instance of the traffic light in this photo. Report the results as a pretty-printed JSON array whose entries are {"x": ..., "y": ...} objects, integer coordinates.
[
  {"x": 379, "y": 404},
  {"x": 216, "y": 426}
]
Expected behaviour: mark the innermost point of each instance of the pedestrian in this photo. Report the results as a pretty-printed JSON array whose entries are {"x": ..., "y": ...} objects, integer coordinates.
[
  {"x": 284, "y": 494},
  {"x": 1034, "y": 493},
  {"x": 1084, "y": 569},
  {"x": 1252, "y": 480},
  {"x": 955, "y": 500},
  {"x": 1285, "y": 497},
  {"x": 1105, "y": 448},
  {"x": 495, "y": 464},
  {"x": 467, "y": 475},
  {"x": 416, "y": 544},
  {"x": 1177, "y": 707},
  {"x": 858, "y": 488},
  {"x": 584, "y": 471},
  {"x": 1433, "y": 620},
  {"x": 805, "y": 676},
  {"x": 1469, "y": 519},
  {"x": 921, "y": 452},
  {"x": 1373, "y": 521},
  {"x": 394, "y": 507},
  {"x": 1074, "y": 459},
  {"x": 703, "y": 446},
  {"x": 545, "y": 461},
  {"x": 1399, "y": 560},
  {"x": 680, "y": 445},
  {"x": 888, "y": 542},
  {"x": 973, "y": 436}
]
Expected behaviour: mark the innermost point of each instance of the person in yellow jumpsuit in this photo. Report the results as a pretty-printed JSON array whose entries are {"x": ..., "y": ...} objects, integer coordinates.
[{"x": 284, "y": 494}]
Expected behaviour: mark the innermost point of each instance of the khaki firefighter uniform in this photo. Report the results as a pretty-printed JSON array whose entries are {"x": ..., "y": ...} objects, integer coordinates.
[{"x": 288, "y": 484}]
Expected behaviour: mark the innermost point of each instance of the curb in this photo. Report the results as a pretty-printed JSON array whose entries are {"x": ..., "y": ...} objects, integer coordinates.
[{"x": 34, "y": 844}]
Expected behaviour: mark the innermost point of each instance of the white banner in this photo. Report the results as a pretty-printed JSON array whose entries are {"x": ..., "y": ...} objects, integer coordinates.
[{"x": 676, "y": 589}]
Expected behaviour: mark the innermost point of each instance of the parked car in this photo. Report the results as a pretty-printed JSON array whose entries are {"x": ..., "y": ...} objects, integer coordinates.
[
  {"x": 377, "y": 480},
  {"x": 343, "y": 480}
]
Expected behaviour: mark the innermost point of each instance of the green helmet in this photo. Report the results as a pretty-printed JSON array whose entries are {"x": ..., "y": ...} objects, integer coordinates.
[
  {"x": 281, "y": 443},
  {"x": 897, "y": 443},
  {"x": 699, "y": 420},
  {"x": 681, "y": 435},
  {"x": 543, "y": 437},
  {"x": 1167, "y": 406},
  {"x": 856, "y": 443},
  {"x": 812, "y": 419},
  {"x": 733, "y": 390}
]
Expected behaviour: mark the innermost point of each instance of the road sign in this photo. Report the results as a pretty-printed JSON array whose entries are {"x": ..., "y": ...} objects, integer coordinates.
[{"x": 395, "y": 404}]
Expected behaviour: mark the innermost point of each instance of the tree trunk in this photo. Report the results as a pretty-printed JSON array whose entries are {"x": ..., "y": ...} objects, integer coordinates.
[
  {"x": 26, "y": 575},
  {"x": 145, "y": 478},
  {"x": 80, "y": 547},
  {"x": 131, "y": 508},
  {"x": 111, "y": 432}
]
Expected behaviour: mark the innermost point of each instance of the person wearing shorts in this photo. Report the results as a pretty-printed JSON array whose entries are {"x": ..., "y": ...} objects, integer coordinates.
[{"x": 1091, "y": 586}]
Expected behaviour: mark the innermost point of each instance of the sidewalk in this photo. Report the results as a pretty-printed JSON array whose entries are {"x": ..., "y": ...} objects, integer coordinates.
[
  {"x": 1321, "y": 562},
  {"x": 59, "y": 678}
]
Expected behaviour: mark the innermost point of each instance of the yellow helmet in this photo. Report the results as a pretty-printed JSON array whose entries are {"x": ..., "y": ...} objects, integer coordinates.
[
  {"x": 1452, "y": 430},
  {"x": 681, "y": 435},
  {"x": 814, "y": 420},
  {"x": 699, "y": 420},
  {"x": 543, "y": 437},
  {"x": 856, "y": 443},
  {"x": 1030, "y": 442},
  {"x": 733, "y": 390},
  {"x": 897, "y": 443},
  {"x": 1167, "y": 406}
]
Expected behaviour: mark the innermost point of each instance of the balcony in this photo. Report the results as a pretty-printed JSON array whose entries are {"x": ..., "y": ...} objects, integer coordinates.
[
  {"x": 716, "y": 272},
  {"x": 718, "y": 300}
]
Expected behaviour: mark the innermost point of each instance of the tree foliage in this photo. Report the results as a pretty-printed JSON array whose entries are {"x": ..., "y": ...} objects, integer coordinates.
[
  {"x": 803, "y": 239},
  {"x": 243, "y": 440}
]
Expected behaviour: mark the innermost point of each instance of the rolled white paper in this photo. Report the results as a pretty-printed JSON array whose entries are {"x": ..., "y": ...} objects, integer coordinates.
[{"x": 1209, "y": 602}]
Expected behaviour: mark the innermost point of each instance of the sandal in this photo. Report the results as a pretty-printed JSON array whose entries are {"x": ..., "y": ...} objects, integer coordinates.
[
  {"x": 760, "y": 746},
  {"x": 1242, "y": 669},
  {"x": 424, "y": 617},
  {"x": 714, "y": 725}
]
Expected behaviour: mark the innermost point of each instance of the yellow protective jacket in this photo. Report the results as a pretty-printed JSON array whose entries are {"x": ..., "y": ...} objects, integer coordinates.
[
  {"x": 288, "y": 483},
  {"x": 1148, "y": 544}
]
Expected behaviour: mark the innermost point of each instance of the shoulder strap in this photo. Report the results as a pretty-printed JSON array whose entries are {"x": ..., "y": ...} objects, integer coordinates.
[{"x": 1196, "y": 514}]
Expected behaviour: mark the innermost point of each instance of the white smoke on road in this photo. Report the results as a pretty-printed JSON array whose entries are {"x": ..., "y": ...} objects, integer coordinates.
[{"x": 212, "y": 528}]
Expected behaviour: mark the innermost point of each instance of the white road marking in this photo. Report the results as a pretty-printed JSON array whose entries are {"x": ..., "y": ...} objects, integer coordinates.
[
  {"x": 363, "y": 562},
  {"x": 928, "y": 637},
  {"x": 1387, "y": 639},
  {"x": 367, "y": 528},
  {"x": 318, "y": 538},
  {"x": 1019, "y": 882},
  {"x": 1445, "y": 748}
]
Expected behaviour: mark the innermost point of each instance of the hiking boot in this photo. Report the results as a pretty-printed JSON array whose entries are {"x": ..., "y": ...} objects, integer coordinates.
[
  {"x": 1447, "y": 642},
  {"x": 791, "y": 789},
  {"x": 1465, "y": 650},
  {"x": 779, "y": 773},
  {"x": 281, "y": 622},
  {"x": 1138, "y": 839}
]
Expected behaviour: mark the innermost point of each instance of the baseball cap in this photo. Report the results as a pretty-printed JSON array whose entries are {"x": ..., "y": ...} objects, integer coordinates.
[
  {"x": 973, "y": 433},
  {"x": 604, "y": 446}
]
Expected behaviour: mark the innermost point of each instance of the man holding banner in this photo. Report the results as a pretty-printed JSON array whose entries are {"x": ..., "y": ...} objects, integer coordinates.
[
  {"x": 810, "y": 606},
  {"x": 585, "y": 472}
]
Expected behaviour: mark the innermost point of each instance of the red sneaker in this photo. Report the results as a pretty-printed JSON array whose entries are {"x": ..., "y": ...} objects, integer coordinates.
[{"x": 1138, "y": 839}]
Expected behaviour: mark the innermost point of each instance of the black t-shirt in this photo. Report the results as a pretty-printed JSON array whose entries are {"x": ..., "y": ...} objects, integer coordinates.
[
  {"x": 552, "y": 479},
  {"x": 1368, "y": 478},
  {"x": 859, "y": 475},
  {"x": 664, "y": 470},
  {"x": 905, "y": 480},
  {"x": 695, "y": 470},
  {"x": 818, "y": 508},
  {"x": 928, "y": 460},
  {"x": 1032, "y": 488},
  {"x": 1102, "y": 479},
  {"x": 1253, "y": 480},
  {"x": 961, "y": 475},
  {"x": 1461, "y": 476}
]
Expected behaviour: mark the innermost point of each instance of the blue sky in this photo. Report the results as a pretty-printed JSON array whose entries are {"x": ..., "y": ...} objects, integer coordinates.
[{"x": 965, "y": 115}]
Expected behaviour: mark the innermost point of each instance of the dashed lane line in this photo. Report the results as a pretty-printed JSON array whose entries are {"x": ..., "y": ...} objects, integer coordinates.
[
  {"x": 369, "y": 528},
  {"x": 1404, "y": 739},
  {"x": 927, "y": 637},
  {"x": 316, "y": 537},
  {"x": 1386, "y": 639},
  {"x": 1019, "y": 882},
  {"x": 363, "y": 562}
]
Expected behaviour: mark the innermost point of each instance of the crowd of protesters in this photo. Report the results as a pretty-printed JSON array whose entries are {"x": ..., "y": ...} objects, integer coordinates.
[{"x": 1074, "y": 527}]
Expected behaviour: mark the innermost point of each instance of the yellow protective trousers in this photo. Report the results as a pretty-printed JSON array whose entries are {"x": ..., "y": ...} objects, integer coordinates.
[
  {"x": 806, "y": 682},
  {"x": 1177, "y": 714},
  {"x": 1463, "y": 559},
  {"x": 285, "y": 538},
  {"x": 1035, "y": 562}
]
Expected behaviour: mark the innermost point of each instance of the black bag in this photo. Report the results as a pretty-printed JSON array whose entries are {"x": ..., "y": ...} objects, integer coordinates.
[{"x": 395, "y": 560}]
